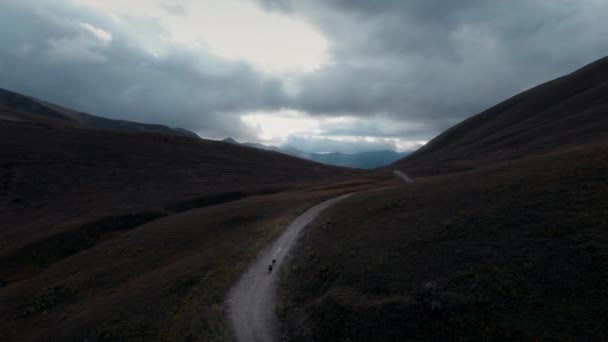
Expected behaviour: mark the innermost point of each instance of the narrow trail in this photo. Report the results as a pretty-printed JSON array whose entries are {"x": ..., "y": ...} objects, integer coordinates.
[
  {"x": 403, "y": 176},
  {"x": 252, "y": 300}
]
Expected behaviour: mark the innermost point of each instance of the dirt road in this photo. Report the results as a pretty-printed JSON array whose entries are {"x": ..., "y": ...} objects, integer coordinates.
[
  {"x": 252, "y": 300},
  {"x": 403, "y": 176}
]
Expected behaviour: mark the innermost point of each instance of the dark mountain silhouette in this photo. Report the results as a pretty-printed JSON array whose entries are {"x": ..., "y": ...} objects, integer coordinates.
[
  {"x": 18, "y": 107},
  {"x": 502, "y": 236},
  {"x": 568, "y": 111},
  {"x": 231, "y": 141},
  {"x": 110, "y": 229}
]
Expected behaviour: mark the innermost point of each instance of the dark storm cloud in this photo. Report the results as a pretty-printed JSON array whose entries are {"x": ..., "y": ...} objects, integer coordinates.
[
  {"x": 82, "y": 60},
  {"x": 422, "y": 64},
  {"x": 436, "y": 61}
]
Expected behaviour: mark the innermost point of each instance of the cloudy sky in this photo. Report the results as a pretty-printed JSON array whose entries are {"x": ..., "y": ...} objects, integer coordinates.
[{"x": 323, "y": 75}]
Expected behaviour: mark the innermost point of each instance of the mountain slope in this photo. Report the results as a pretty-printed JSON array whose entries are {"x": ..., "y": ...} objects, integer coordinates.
[
  {"x": 49, "y": 168},
  {"x": 516, "y": 252},
  {"x": 110, "y": 235},
  {"x": 17, "y": 107},
  {"x": 568, "y": 111},
  {"x": 513, "y": 247}
]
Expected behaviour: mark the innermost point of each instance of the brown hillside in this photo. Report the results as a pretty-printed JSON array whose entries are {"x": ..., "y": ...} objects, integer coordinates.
[
  {"x": 106, "y": 235},
  {"x": 513, "y": 247},
  {"x": 22, "y": 108},
  {"x": 568, "y": 111},
  {"x": 55, "y": 177},
  {"x": 512, "y": 252}
]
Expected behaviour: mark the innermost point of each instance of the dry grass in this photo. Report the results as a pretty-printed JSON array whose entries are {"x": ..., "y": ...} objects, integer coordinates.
[
  {"x": 516, "y": 251},
  {"x": 114, "y": 236},
  {"x": 565, "y": 112},
  {"x": 164, "y": 280}
]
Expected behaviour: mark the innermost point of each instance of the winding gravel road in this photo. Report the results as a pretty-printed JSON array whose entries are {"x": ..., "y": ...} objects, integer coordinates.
[
  {"x": 252, "y": 300},
  {"x": 403, "y": 176}
]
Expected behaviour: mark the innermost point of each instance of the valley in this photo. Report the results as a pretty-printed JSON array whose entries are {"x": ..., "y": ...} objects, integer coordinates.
[
  {"x": 494, "y": 230},
  {"x": 502, "y": 236}
]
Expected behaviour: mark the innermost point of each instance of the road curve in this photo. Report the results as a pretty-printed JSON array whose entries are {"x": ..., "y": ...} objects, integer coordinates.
[
  {"x": 403, "y": 176},
  {"x": 252, "y": 300}
]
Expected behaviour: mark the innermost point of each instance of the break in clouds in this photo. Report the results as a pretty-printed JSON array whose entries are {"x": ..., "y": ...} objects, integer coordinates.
[{"x": 394, "y": 73}]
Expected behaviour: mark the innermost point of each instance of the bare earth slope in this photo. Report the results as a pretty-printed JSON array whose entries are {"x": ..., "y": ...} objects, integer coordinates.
[{"x": 567, "y": 111}]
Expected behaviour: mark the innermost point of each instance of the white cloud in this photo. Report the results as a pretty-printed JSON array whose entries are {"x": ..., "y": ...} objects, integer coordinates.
[
  {"x": 100, "y": 34},
  {"x": 332, "y": 134},
  {"x": 350, "y": 144},
  {"x": 275, "y": 127},
  {"x": 85, "y": 47},
  {"x": 74, "y": 50},
  {"x": 234, "y": 29},
  {"x": 398, "y": 72}
]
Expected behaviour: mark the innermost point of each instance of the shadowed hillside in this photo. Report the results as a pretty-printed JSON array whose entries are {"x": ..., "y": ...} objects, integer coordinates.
[
  {"x": 507, "y": 243},
  {"x": 17, "y": 107},
  {"x": 108, "y": 235},
  {"x": 516, "y": 252},
  {"x": 568, "y": 111},
  {"x": 63, "y": 173}
]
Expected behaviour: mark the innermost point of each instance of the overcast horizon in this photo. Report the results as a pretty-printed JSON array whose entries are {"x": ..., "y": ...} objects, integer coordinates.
[{"x": 322, "y": 76}]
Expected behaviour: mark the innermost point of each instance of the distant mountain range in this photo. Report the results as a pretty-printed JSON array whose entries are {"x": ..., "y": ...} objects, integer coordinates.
[
  {"x": 364, "y": 160},
  {"x": 18, "y": 107}
]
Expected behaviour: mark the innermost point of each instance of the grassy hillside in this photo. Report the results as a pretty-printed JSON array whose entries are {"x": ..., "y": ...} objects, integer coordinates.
[
  {"x": 568, "y": 111},
  {"x": 52, "y": 176},
  {"x": 22, "y": 108},
  {"x": 516, "y": 251},
  {"x": 502, "y": 236},
  {"x": 120, "y": 236}
]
